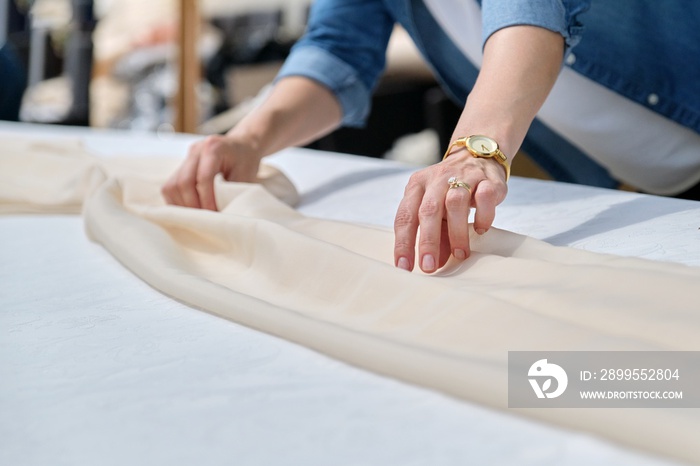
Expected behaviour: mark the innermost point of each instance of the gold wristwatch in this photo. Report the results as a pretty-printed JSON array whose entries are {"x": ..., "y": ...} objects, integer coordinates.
[{"x": 481, "y": 146}]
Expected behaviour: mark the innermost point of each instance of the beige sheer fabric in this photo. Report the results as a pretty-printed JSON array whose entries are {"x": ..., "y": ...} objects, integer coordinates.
[{"x": 331, "y": 286}]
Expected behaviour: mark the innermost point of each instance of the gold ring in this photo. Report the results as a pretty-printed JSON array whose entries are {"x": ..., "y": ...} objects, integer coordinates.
[{"x": 459, "y": 184}]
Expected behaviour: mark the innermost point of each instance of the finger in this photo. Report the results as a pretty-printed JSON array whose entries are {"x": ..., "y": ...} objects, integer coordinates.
[
  {"x": 187, "y": 180},
  {"x": 406, "y": 224},
  {"x": 207, "y": 169},
  {"x": 170, "y": 192},
  {"x": 457, "y": 202},
  {"x": 430, "y": 215},
  {"x": 487, "y": 195},
  {"x": 171, "y": 188}
]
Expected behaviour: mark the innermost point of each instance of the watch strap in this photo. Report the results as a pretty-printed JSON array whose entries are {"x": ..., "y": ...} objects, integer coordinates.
[{"x": 497, "y": 155}]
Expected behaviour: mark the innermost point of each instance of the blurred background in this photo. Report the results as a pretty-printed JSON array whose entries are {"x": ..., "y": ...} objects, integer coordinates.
[{"x": 197, "y": 66}]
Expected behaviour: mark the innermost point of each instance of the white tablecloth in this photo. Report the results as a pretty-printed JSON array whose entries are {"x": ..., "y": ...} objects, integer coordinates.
[{"x": 98, "y": 368}]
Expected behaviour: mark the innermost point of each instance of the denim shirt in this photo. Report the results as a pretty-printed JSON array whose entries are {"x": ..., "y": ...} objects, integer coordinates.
[{"x": 645, "y": 50}]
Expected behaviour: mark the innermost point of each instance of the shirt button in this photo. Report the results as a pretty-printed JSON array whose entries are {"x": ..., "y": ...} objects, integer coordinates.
[
  {"x": 571, "y": 59},
  {"x": 652, "y": 99}
]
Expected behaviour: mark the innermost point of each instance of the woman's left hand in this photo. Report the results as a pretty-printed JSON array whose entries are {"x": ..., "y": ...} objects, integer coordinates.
[{"x": 442, "y": 211}]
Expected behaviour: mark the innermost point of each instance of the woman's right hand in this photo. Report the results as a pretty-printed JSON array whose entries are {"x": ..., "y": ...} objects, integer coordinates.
[
  {"x": 192, "y": 185},
  {"x": 298, "y": 110}
]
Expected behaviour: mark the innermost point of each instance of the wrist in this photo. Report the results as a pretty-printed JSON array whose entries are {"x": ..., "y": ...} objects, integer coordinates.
[
  {"x": 481, "y": 146},
  {"x": 483, "y": 116},
  {"x": 242, "y": 137}
]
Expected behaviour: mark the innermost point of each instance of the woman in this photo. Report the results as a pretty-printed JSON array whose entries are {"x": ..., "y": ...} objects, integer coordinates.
[{"x": 636, "y": 117}]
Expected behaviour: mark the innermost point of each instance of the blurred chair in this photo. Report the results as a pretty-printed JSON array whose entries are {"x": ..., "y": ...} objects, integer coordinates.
[{"x": 64, "y": 99}]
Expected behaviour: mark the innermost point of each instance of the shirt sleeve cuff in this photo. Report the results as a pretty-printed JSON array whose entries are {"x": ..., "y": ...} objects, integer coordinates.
[
  {"x": 548, "y": 14},
  {"x": 342, "y": 80}
]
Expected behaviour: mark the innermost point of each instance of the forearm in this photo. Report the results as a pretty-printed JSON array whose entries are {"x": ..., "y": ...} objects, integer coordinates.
[
  {"x": 520, "y": 66},
  {"x": 297, "y": 111}
]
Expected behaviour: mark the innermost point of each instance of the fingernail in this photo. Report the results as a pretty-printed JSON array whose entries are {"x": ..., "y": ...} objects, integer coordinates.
[
  {"x": 460, "y": 254},
  {"x": 403, "y": 264},
  {"x": 480, "y": 231},
  {"x": 428, "y": 263}
]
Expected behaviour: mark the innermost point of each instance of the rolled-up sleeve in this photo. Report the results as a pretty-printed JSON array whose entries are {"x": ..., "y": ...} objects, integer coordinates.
[
  {"x": 560, "y": 16},
  {"x": 325, "y": 68},
  {"x": 344, "y": 49}
]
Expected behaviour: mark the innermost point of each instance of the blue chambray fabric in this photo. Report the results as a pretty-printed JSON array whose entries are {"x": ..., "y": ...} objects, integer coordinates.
[
  {"x": 344, "y": 49},
  {"x": 560, "y": 16},
  {"x": 646, "y": 50}
]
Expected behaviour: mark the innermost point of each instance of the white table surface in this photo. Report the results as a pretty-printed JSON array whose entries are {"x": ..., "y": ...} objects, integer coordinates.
[{"x": 97, "y": 368}]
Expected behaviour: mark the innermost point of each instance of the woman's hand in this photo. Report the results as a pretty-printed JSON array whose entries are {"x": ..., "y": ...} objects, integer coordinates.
[
  {"x": 442, "y": 212},
  {"x": 520, "y": 66},
  {"x": 192, "y": 185},
  {"x": 297, "y": 111}
]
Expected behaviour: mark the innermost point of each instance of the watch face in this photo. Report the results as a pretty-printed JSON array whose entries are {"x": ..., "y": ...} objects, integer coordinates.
[{"x": 483, "y": 145}]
